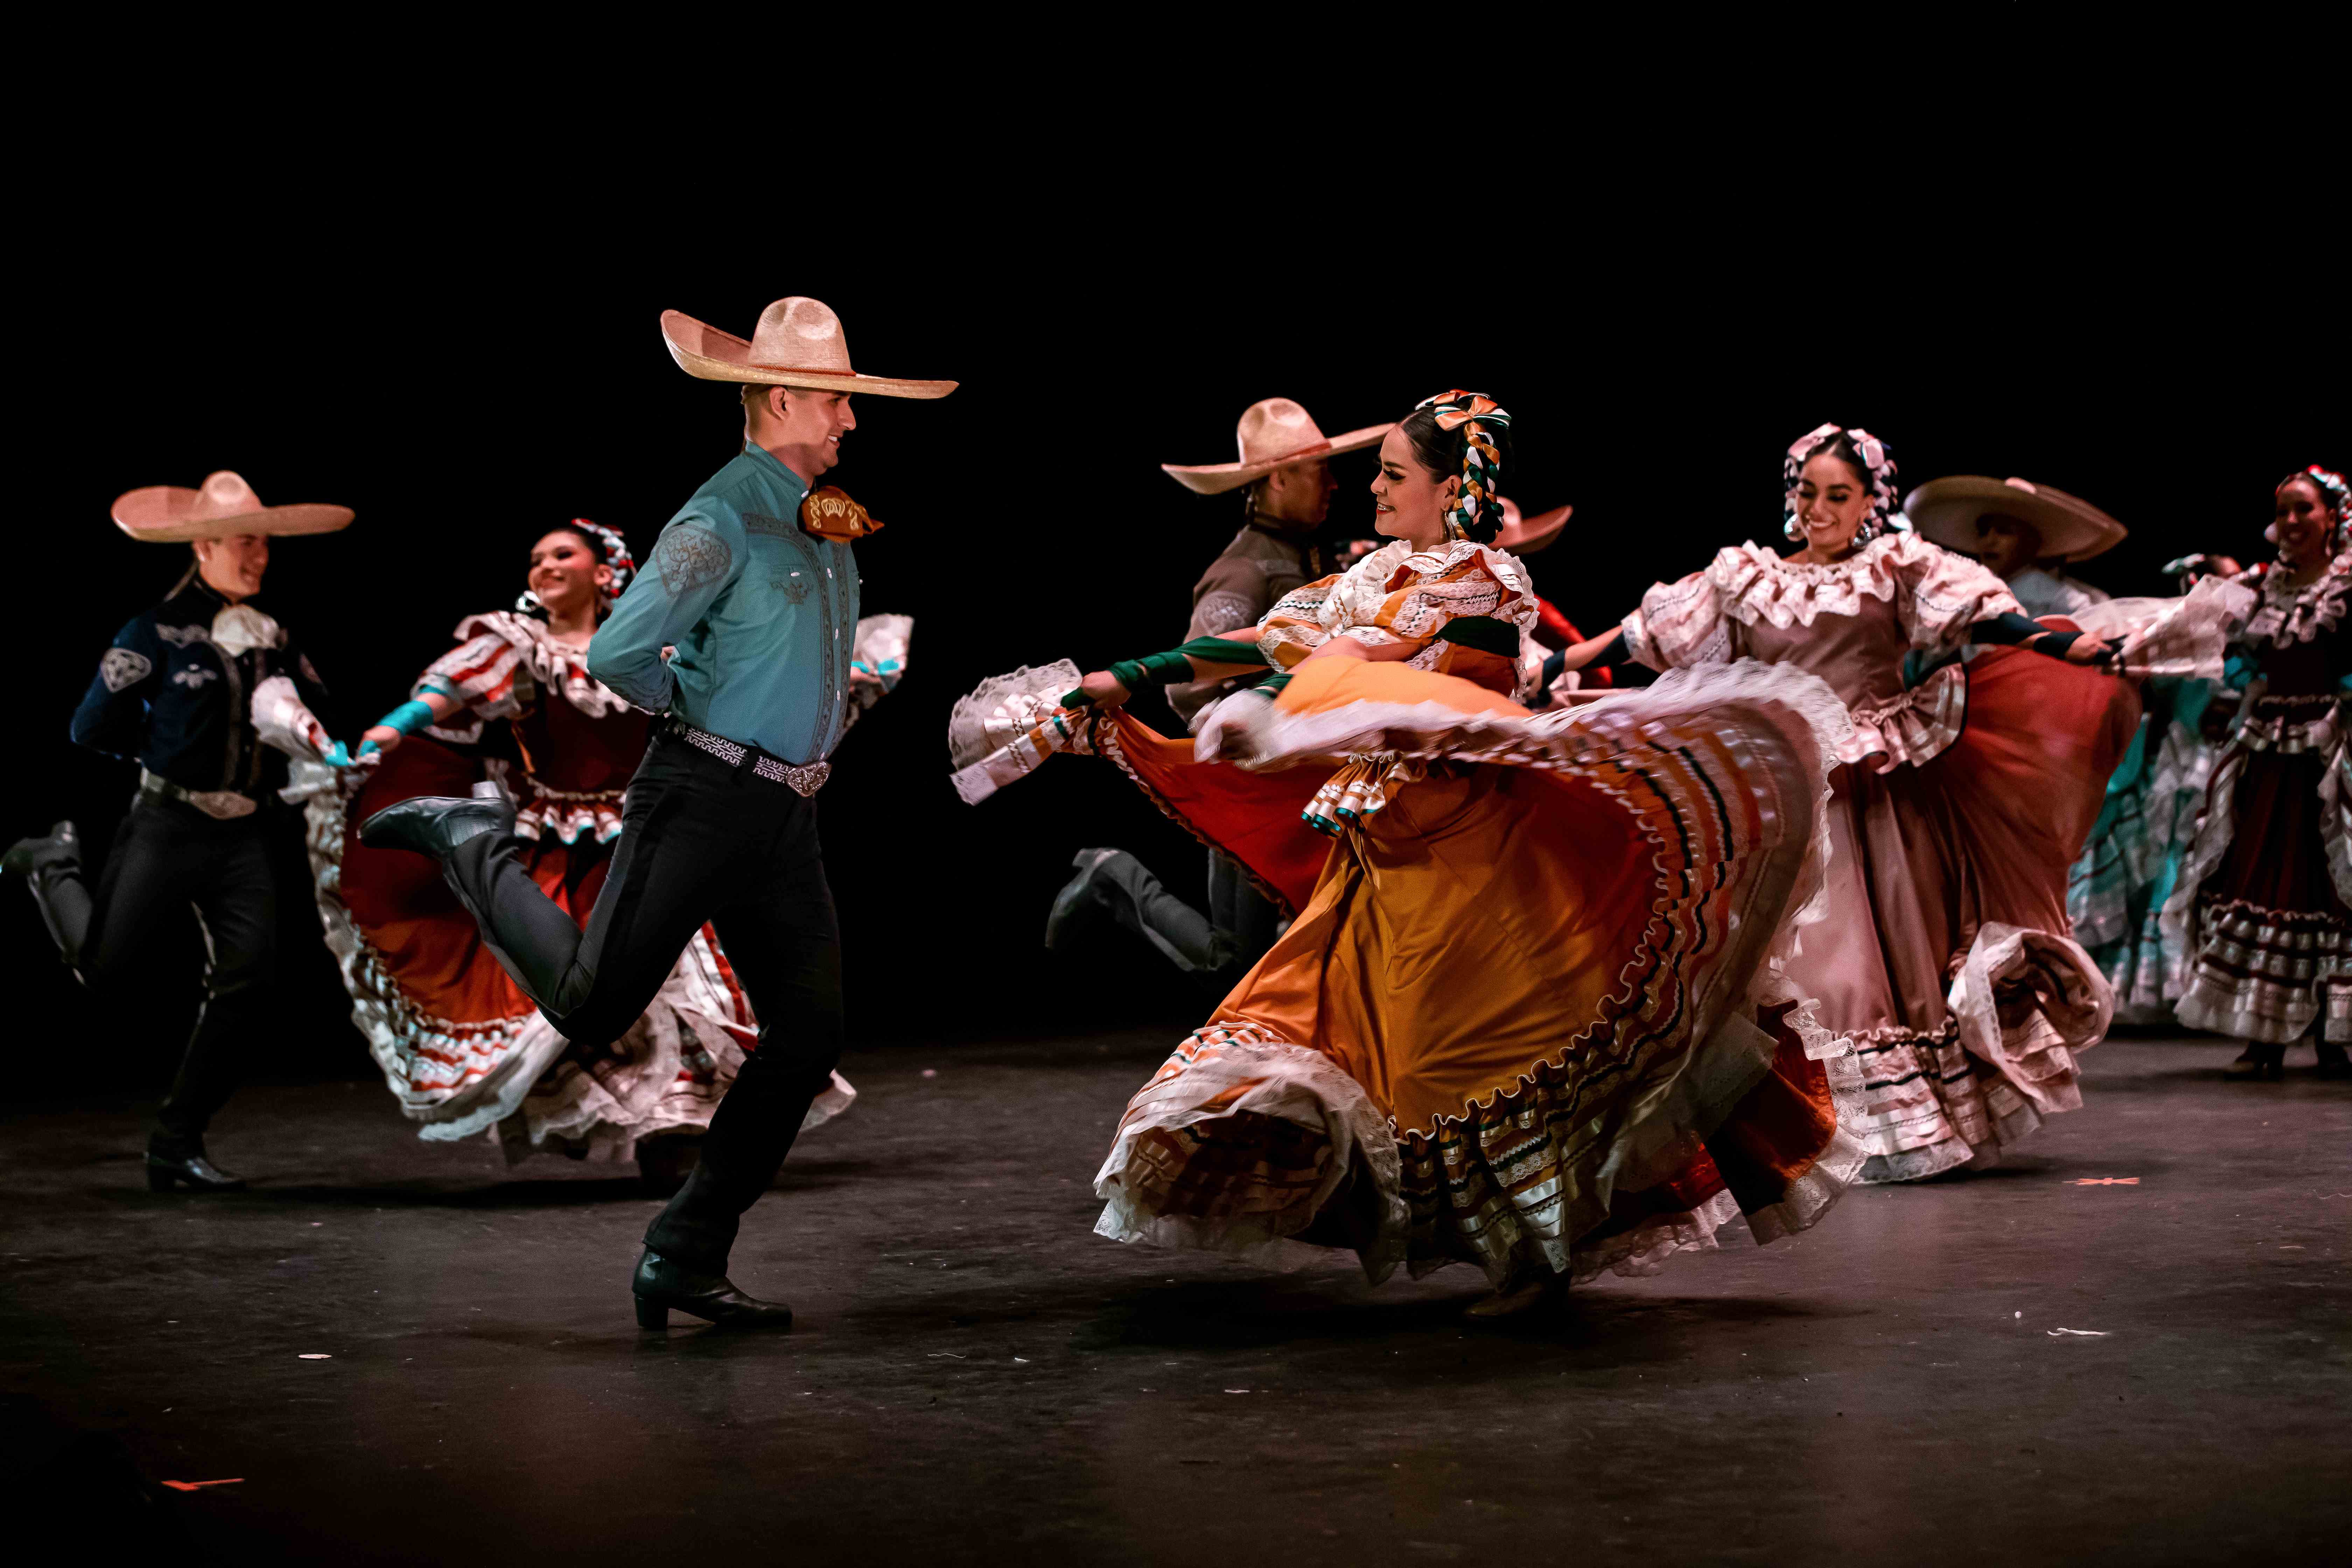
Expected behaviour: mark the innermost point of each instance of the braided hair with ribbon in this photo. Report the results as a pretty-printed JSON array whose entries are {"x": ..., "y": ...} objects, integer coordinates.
[
  {"x": 1863, "y": 452},
  {"x": 2332, "y": 490},
  {"x": 610, "y": 549},
  {"x": 1482, "y": 428}
]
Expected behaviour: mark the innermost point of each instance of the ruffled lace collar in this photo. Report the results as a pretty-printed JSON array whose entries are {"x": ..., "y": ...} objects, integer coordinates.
[
  {"x": 557, "y": 666},
  {"x": 1756, "y": 585},
  {"x": 1370, "y": 578},
  {"x": 2289, "y": 615}
]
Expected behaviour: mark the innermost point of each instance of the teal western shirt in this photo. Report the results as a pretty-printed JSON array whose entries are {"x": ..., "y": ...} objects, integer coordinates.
[{"x": 762, "y": 615}]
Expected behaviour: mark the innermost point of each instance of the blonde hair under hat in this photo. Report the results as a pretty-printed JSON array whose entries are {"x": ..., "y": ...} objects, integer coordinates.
[
  {"x": 798, "y": 342},
  {"x": 223, "y": 507},
  {"x": 1951, "y": 512},
  {"x": 1273, "y": 433}
]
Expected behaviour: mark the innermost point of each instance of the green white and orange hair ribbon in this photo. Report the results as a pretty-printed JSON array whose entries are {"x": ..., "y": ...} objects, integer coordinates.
[{"x": 1477, "y": 415}]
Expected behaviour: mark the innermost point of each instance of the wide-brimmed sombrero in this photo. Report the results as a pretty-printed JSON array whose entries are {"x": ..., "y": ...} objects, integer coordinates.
[
  {"x": 1526, "y": 535},
  {"x": 1948, "y": 510},
  {"x": 223, "y": 507},
  {"x": 1273, "y": 434},
  {"x": 798, "y": 342}
]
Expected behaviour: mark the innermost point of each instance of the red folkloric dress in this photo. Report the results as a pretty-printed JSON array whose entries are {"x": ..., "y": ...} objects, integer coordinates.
[{"x": 461, "y": 1048}]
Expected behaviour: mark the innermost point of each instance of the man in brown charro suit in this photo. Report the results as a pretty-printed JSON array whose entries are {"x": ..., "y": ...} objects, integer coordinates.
[{"x": 1285, "y": 462}]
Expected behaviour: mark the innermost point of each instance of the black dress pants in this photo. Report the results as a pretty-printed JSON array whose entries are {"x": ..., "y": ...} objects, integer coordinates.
[
  {"x": 166, "y": 854},
  {"x": 699, "y": 841}
]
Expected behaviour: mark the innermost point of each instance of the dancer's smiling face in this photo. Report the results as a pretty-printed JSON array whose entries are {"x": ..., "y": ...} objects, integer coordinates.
[
  {"x": 1832, "y": 503},
  {"x": 1410, "y": 502},
  {"x": 234, "y": 565},
  {"x": 567, "y": 575},
  {"x": 2303, "y": 525}
]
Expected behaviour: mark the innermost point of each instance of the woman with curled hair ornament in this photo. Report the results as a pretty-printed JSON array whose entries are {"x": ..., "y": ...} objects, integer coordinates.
[
  {"x": 2267, "y": 889},
  {"x": 512, "y": 708},
  {"x": 1530, "y": 1014},
  {"x": 1947, "y": 958}
]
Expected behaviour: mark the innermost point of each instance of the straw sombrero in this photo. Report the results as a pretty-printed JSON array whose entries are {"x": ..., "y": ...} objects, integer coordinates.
[
  {"x": 225, "y": 507},
  {"x": 1273, "y": 434},
  {"x": 798, "y": 342},
  {"x": 1948, "y": 511}
]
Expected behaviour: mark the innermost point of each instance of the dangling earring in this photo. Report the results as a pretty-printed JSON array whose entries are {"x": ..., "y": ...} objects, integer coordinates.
[{"x": 1792, "y": 528}]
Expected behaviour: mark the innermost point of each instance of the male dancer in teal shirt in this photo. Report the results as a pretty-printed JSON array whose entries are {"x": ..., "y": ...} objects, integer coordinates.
[{"x": 753, "y": 589}]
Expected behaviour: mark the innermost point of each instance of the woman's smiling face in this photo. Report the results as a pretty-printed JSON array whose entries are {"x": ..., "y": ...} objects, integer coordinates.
[
  {"x": 1832, "y": 502},
  {"x": 566, "y": 575},
  {"x": 1409, "y": 502},
  {"x": 2301, "y": 521}
]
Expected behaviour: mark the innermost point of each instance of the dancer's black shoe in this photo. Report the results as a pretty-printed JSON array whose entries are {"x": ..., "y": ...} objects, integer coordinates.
[
  {"x": 661, "y": 1286},
  {"x": 436, "y": 824},
  {"x": 2333, "y": 1063},
  {"x": 41, "y": 862},
  {"x": 183, "y": 1162},
  {"x": 2258, "y": 1061},
  {"x": 1080, "y": 900},
  {"x": 29, "y": 856}
]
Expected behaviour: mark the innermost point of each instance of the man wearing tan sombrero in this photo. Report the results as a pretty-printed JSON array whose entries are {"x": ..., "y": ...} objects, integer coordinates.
[
  {"x": 2025, "y": 533},
  {"x": 742, "y": 633},
  {"x": 174, "y": 693},
  {"x": 1285, "y": 473}
]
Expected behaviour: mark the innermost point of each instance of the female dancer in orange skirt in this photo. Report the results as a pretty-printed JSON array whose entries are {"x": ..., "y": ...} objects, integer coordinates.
[
  {"x": 462, "y": 1049},
  {"x": 1947, "y": 956},
  {"x": 2267, "y": 885},
  {"x": 1530, "y": 1012}
]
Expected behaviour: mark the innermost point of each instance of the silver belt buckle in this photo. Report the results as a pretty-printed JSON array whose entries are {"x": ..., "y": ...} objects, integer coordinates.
[{"x": 222, "y": 805}]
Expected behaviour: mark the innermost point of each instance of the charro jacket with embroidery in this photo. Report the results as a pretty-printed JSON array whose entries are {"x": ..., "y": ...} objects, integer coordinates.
[
  {"x": 763, "y": 617},
  {"x": 167, "y": 697}
]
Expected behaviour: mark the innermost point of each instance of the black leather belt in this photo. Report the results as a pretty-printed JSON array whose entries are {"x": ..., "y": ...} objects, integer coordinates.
[
  {"x": 221, "y": 805},
  {"x": 806, "y": 778}
]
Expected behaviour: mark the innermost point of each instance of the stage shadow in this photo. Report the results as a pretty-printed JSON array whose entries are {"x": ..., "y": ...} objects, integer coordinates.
[
  {"x": 442, "y": 1192},
  {"x": 1261, "y": 1314}
]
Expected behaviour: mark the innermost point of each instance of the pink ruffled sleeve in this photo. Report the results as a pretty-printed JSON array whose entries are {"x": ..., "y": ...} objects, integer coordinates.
[
  {"x": 1680, "y": 624},
  {"x": 1943, "y": 595}
]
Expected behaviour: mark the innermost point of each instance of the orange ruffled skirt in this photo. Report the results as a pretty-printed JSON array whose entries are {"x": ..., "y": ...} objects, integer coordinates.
[{"x": 1530, "y": 1014}]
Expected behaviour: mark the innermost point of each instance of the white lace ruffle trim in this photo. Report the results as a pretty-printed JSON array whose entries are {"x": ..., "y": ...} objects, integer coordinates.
[{"x": 1270, "y": 1077}]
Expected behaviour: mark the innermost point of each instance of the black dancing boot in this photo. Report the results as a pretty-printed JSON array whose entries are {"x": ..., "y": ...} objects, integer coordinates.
[
  {"x": 40, "y": 861},
  {"x": 183, "y": 1160},
  {"x": 1112, "y": 884},
  {"x": 436, "y": 824},
  {"x": 1080, "y": 900},
  {"x": 2332, "y": 1062},
  {"x": 2257, "y": 1062},
  {"x": 661, "y": 1285},
  {"x": 28, "y": 856}
]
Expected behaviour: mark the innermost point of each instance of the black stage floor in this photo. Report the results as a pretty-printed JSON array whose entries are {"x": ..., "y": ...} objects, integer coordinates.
[{"x": 977, "y": 1377}]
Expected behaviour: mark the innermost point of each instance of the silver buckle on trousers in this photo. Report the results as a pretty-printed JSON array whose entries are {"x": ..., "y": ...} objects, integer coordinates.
[
  {"x": 806, "y": 780},
  {"x": 220, "y": 804}
]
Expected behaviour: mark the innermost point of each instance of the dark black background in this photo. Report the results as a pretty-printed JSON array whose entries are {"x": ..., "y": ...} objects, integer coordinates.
[{"x": 459, "y": 342}]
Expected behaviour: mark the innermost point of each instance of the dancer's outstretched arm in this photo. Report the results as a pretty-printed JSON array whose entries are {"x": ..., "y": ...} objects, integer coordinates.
[
  {"x": 1609, "y": 647},
  {"x": 1202, "y": 659},
  {"x": 2012, "y": 630}
]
